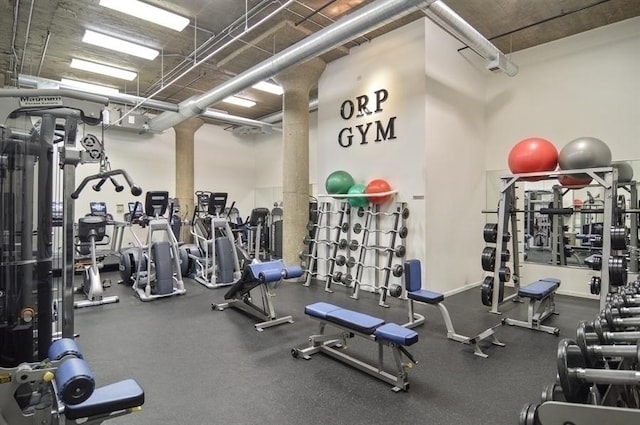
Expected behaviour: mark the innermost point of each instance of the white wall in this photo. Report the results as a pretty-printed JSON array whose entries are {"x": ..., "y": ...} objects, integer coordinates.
[
  {"x": 584, "y": 85},
  {"x": 455, "y": 142}
]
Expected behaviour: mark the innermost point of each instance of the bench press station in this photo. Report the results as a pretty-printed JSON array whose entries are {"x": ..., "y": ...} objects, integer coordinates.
[
  {"x": 351, "y": 323},
  {"x": 259, "y": 276},
  {"x": 541, "y": 305},
  {"x": 413, "y": 286}
]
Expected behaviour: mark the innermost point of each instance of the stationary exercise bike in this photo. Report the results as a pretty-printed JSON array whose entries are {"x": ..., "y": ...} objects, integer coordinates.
[{"x": 92, "y": 232}]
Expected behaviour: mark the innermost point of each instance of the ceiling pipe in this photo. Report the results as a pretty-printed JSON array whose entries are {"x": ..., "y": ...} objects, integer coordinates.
[
  {"x": 26, "y": 36},
  {"x": 451, "y": 22},
  {"x": 44, "y": 52},
  {"x": 361, "y": 21},
  {"x": 127, "y": 99}
]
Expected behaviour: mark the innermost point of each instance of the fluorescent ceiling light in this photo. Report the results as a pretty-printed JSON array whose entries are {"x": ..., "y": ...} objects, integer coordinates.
[
  {"x": 268, "y": 87},
  {"x": 148, "y": 13},
  {"x": 119, "y": 45},
  {"x": 239, "y": 101},
  {"x": 103, "y": 69},
  {"x": 89, "y": 87}
]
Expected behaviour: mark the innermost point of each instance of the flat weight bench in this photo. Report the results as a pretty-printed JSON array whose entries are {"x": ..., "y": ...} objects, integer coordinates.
[
  {"x": 541, "y": 305},
  {"x": 352, "y": 323},
  {"x": 415, "y": 293},
  {"x": 259, "y": 276}
]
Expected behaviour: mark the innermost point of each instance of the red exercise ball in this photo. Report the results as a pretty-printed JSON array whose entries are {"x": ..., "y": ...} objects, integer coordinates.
[
  {"x": 577, "y": 181},
  {"x": 378, "y": 186},
  {"x": 533, "y": 155}
]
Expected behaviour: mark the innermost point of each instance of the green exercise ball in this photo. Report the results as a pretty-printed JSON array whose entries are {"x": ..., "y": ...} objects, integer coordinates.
[
  {"x": 338, "y": 182},
  {"x": 358, "y": 201}
]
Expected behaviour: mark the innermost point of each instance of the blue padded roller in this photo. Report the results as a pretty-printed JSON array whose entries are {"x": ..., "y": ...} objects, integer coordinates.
[
  {"x": 354, "y": 320},
  {"x": 426, "y": 296},
  {"x": 110, "y": 398},
  {"x": 74, "y": 381},
  {"x": 271, "y": 275},
  {"x": 64, "y": 347},
  {"x": 320, "y": 309},
  {"x": 538, "y": 290},
  {"x": 395, "y": 333},
  {"x": 293, "y": 272},
  {"x": 412, "y": 275}
]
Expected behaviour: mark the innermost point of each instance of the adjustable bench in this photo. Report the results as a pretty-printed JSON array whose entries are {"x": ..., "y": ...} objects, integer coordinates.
[
  {"x": 413, "y": 285},
  {"x": 75, "y": 387},
  {"x": 352, "y": 323},
  {"x": 259, "y": 276},
  {"x": 540, "y": 306}
]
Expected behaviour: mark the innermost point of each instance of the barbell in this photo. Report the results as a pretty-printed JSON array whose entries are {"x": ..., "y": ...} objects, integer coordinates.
[
  {"x": 592, "y": 352},
  {"x": 344, "y": 227},
  {"x": 615, "y": 322},
  {"x": 341, "y": 260},
  {"x": 402, "y": 231},
  {"x": 342, "y": 243},
  {"x": 404, "y": 212},
  {"x": 344, "y": 278},
  {"x": 400, "y": 250},
  {"x": 595, "y": 333}
]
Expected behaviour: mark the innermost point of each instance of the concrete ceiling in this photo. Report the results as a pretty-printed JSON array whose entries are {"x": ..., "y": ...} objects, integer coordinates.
[{"x": 236, "y": 36}]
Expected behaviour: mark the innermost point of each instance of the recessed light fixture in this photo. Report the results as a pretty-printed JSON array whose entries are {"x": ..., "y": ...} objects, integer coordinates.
[
  {"x": 112, "y": 43},
  {"x": 268, "y": 87},
  {"x": 103, "y": 69},
  {"x": 239, "y": 101},
  {"x": 88, "y": 87},
  {"x": 148, "y": 13}
]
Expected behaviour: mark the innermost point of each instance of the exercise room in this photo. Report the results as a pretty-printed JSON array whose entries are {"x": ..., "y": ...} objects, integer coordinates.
[{"x": 311, "y": 211}]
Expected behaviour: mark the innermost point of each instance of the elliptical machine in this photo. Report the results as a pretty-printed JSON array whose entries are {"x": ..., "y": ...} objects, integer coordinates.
[
  {"x": 153, "y": 268},
  {"x": 213, "y": 260},
  {"x": 91, "y": 232}
]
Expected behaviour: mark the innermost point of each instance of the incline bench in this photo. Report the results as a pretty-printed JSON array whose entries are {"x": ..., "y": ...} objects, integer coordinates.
[
  {"x": 415, "y": 293},
  {"x": 540, "y": 306},
  {"x": 352, "y": 323}
]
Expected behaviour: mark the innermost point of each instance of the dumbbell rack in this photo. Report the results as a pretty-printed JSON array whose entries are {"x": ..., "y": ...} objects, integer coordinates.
[
  {"x": 606, "y": 177},
  {"x": 322, "y": 235},
  {"x": 383, "y": 253}
]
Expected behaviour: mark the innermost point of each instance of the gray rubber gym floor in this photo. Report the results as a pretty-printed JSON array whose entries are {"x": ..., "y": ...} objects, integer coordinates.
[{"x": 199, "y": 366}]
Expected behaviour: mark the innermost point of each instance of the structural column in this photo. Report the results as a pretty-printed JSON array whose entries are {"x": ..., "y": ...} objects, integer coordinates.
[
  {"x": 185, "y": 132},
  {"x": 296, "y": 81}
]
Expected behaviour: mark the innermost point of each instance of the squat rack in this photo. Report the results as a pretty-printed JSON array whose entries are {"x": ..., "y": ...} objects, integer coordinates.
[{"x": 606, "y": 177}]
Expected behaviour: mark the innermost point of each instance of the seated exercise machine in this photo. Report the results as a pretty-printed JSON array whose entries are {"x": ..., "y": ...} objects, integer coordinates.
[
  {"x": 213, "y": 259},
  {"x": 540, "y": 305},
  {"x": 258, "y": 276},
  {"x": 153, "y": 268},
  {"x": 63, "y": 387},
  {"x": 92, "y": 232},
  {"x": 351, "y": 323},
  {"x": 413, "y": 286},
  {"x": 258, "y": 234}
]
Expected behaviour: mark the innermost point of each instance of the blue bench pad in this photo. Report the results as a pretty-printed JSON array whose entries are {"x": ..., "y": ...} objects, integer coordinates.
[
  {"x": 538, "y": 290},
  {"x": 110, "y": 398},
  {"x": 552, "y": 279},
  {"x": 320, "y": 309},
  {"x": 426, "y": 296},
  {"x": 354, "y": 320},
  {"x": 397, "y": 334}
]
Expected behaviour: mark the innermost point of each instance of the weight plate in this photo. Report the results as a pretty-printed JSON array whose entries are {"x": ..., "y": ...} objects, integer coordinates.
[
  {"x": 594, "y": 285},
  {"x": 486, "y": 294},
  {"x": 343, "y": 243},
  {"x": 401, "y": 251},
  {"x": 574, "y": 390},
  {"x": 504, "y": 274},
  {"x": 357, "y": 228},
  {"x": 488, "y": 259},
  {"x": 490, "y": 232},
  {"x": 353, "y": 245},
  {"x": 619, "y": 237},
  {"x": 351, "y": 262},
  {"x": 505, "y": 256},
  {"x": 398, "y": 270},
  {"x": 344, "y": 227},
  {"x": 405, "y": 213},
  {"x": 403, "y": 232},
  {"x": 341, "y": 260},
  {"x": 360, "y": 212},
  {"x": 617, "y": 270},
  {"x": 310, "y": 226}
]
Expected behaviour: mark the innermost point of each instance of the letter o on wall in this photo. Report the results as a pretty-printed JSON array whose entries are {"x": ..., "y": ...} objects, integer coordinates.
[{"x": 346, "y": 109}]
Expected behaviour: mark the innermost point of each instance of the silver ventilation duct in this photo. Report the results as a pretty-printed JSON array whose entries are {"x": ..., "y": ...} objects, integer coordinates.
[{"x": 361, "y": 21}]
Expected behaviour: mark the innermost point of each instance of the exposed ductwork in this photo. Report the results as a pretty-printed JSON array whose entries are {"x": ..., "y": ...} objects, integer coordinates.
[
  {"x": 451, "y": 22},
  {"x": 127, "y": 99},
  {"x": 361, "y": 21}
]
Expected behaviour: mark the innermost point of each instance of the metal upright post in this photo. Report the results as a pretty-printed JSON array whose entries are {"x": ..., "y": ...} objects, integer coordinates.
[
  {"x": 633, "y": 224},
  {"x": 610, "y": 188},
  {"x": 504, "y": 213},
  {"x": 68, "y": 219}
]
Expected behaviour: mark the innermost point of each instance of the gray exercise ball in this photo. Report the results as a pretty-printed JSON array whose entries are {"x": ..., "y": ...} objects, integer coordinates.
[
  {"x": 584, "y": 152},
  {"x": 625, "y": 171}
]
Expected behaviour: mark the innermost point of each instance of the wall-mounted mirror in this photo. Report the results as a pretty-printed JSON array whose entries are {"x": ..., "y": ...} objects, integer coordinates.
[{"x": 581, "y": 230}]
